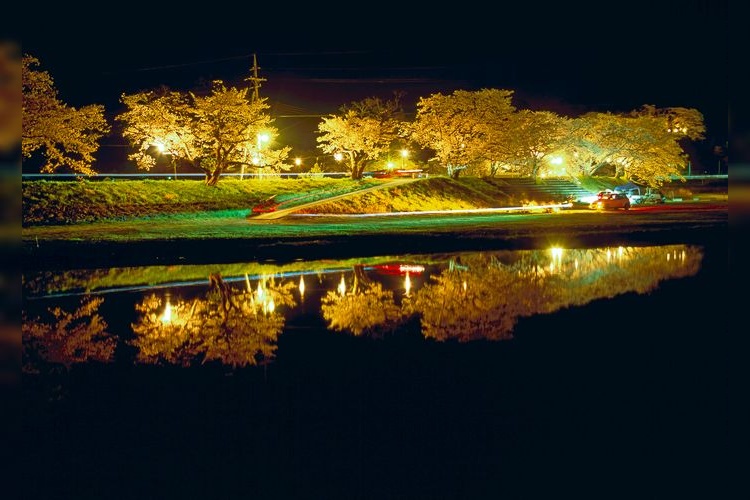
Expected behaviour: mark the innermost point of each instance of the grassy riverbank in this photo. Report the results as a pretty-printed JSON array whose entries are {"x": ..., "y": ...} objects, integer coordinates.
[{"x": 64, "y": 203}]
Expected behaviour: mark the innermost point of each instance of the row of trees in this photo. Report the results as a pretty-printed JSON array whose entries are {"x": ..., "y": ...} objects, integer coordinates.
[{"x": 479, "y": 132}]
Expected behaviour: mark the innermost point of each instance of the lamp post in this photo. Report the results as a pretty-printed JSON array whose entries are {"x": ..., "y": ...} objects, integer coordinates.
[
  {"x": 262, "y": 137},
  {"x": 404, "y": 155},
  {"x": 163, "y": 149}
]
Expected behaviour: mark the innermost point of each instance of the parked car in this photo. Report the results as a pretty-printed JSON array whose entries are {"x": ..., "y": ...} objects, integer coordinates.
[
  {"x": 649, "y": 196},
  {"x": 640, "y": 195},
  {"x": 608, "y": 200}
]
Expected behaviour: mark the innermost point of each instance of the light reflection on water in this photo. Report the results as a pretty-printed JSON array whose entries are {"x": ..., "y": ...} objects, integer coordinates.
[{"x": 235, "y": 314}]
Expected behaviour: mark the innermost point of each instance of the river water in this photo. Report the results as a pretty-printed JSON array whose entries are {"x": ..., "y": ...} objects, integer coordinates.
[{"x": 525, "y": 373}]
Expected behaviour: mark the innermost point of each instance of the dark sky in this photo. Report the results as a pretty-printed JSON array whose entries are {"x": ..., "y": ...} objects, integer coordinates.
[{"x": 566, "y": 57}]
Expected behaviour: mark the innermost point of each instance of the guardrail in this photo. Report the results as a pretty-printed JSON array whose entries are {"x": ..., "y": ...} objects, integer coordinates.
[{"x": 188, "y": 176}]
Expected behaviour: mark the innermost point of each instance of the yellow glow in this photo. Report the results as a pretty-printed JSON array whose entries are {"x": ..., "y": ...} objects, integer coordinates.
[
  {"x": 390, "y": 165},
  {"x": 465, "y": 286},
  {"x": 263, "y": 137},
  {"x": 160, "y": 147},
  {"x": 404, "y": 153},
  {"x": 342, "y": 286},
  {"x": 298, "y": 161},
  {"x": 338, "y": 157},
  {"x": 556, "y": 160},
  {"x": 167, "y": 316},
  {"x": 301, "y": 286},
  {"x": 407, "y": 284}
]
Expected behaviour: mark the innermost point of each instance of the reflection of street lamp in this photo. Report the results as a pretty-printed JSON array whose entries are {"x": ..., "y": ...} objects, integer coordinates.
[{"x": 167, "y": 316}]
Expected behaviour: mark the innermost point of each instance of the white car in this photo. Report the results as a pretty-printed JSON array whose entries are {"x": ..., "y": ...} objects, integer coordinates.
[{"x": 649, "y": 196}]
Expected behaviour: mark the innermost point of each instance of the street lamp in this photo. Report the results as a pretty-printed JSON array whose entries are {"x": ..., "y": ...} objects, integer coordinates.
[
  {"x": 163, "y": 149},
  {"x": 404, "y": 155}
]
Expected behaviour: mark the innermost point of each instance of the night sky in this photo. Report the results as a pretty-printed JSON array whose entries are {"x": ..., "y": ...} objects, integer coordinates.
[{"x": 569, "y": 58}]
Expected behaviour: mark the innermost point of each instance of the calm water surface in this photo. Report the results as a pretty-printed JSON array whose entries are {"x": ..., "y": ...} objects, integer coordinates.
[{"x": 590, "y": 371}]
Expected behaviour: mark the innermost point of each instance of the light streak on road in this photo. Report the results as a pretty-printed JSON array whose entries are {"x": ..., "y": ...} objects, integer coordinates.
[{"x": 460, "y": 211}]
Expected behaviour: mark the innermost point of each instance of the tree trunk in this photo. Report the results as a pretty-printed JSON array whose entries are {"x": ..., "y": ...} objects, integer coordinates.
[
  {"x": 212, "y": 178},
  {"x": 357, "y": 172}
]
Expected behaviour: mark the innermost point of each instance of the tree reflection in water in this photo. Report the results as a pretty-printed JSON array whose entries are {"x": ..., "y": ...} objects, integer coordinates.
[
  {"x": 236, "y": 326},
  {"x": 365, "y": 306},
  {"x": 471, "y": 296},
  {"x": 482, "y": 295},
  {"x": 62, "y": 339}
]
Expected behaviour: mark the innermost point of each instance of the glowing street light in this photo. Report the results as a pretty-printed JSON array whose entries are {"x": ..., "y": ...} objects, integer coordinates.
[
  {"x": 338, "y": 156},
  {"x": 404, "y": 155},
  {"x": 262, "y": 138},
  {"x": 163, "y": 149},
  {"x": 298, "y": 161}
]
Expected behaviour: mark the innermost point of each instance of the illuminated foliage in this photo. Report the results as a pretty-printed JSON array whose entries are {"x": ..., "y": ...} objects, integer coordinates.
[
  {"x": 361, "y": 133},
  {"x": 535, "y": 135},
  {"x": 212, "y": 133},
  {"x": 67, "y": 338},
  {"x": 235, "y": 326},
  {"x": 459, "y": 127},
  {"x": 639, "y": 146},
  {"x": 363, "y": 307},
  {"x": 66, "y": 137},
  {"x": 482, "y": 300},
  {"x": 682, "y": 122}
]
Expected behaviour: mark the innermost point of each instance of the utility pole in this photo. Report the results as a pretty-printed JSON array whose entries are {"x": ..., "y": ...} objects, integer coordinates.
[{"x": 255, "y": 79}]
